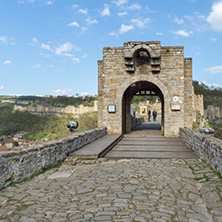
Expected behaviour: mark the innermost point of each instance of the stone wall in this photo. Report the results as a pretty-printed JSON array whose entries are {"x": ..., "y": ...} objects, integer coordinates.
[
  {"x": 212, "y": 113},
  {"x": 206, "y": 147},
  {"x": 16, "y": 166},
  {"x": 45, "y": 109},
  {"x": 198, "y": 105}
]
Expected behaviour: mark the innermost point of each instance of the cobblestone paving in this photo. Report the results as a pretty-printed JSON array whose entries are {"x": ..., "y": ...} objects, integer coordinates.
[{"x": 124, "y": 190}]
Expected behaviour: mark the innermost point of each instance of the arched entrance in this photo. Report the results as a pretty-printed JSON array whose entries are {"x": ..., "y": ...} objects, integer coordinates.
[{"x": 129, "y": 93}]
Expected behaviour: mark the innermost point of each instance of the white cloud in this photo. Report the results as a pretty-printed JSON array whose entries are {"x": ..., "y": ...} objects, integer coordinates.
[
  {"x": 49, "y": 2},
  {"x": 44, "y": 55},
  {"x": 1, "y": 87},
  {"x": 60, "y": 70},
  {"x": 83, "y": 29},
  {"x": 215, "y": 17},
  {"x": 134, "y": 6},
  {"x": 183, "y": 33},
  {"x": 20, "y": 2},
  {"x": 190, "y": 18},
  {"x": 113, "y": 33},
  {"x": 83, "y": 11},
  {"x": 213, "y": 39},
  {"x": 6, "y": 40},
  {"x": 122, "y": 13},
  {"x": 3, "y": 39},
  {"x": 214, "y": 70},
  {"x": 44, "y": 46},
  {"x": 125, "y": 28},
  {"x": 34, "y": 39},
  {"x": 120, "y": 2},
  {"x": 68, "y": 54},
  {"x": 178, "y": 21},
  {"x": 140, "y": 23},
  {"x": 149, "y": 10},
  {"x": 37, "y": 66},
  {"x": 66, "y": 47},
  {"x": 74, "y": 24},
  {"x": 12, "y": 43},
  {"x": 106, "y": 11},
  {"x": 62, "y": 92},
  {"x": 75, "y": 60},
  {"x": 159, "y": 33},
  {"x": 212, "y": 86},
  {"x": 75, "y": 6},
  {"x": 91, "y": 21},
  {"x": 50, "y": 66},
  {"x": 7, "y": 62},
  {"x": 201, "y": 17}
]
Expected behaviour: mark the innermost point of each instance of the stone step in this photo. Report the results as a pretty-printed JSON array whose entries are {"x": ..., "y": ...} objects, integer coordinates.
[
  {"x": 130, "y": 154},
  {"x": 149, "y": 144},
  {"x": 97, "y": 148},
  {"x": 154, "y": 148}
]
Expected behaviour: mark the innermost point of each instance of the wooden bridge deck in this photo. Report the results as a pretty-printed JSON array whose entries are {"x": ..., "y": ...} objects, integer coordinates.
[{"x": 146, "y": 142}]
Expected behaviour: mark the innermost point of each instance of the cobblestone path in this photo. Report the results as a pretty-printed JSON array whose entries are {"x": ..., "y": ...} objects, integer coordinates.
[{"x": 117, "y": 190}]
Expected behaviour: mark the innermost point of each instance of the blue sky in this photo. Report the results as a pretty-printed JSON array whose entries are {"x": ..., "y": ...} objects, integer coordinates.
[{"x": 51, "y": 47}]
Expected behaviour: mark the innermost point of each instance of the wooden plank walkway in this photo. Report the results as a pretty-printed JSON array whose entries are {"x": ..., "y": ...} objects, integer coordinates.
[
  {"x": 97, "y": 148},
  {"x": 149, "y": 144}
]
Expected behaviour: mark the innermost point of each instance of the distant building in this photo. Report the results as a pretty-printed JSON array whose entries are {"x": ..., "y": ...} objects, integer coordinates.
[
  {"x": 4, "y": 148},
  {"x": 2, "y": 137},
  {"x": 22, "y": 142},
  {"x": 10, "y": 144}
]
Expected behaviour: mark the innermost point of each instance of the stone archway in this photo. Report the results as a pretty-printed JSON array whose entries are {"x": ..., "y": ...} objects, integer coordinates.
[
  {"x": 129, "y": 94},
  {"x": 148, "y": 65}
]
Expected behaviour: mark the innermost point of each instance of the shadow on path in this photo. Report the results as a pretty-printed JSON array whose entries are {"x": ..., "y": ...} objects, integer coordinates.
[{"x": 148, "y": 126}]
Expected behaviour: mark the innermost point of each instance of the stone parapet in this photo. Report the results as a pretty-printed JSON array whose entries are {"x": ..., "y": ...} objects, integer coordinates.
[
  {"x": 206, "y": 147},
  {"x": 15, "y": 166}
]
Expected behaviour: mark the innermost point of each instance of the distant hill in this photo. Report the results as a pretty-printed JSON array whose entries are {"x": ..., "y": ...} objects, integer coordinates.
[
  {"x": 43, "y": 127},
  {"x": 55, "y": 101},
  {"x": 212, "y": 96}
]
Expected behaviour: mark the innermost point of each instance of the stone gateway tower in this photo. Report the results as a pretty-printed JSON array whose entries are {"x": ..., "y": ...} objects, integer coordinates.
[{"x": 144, "y": 66}]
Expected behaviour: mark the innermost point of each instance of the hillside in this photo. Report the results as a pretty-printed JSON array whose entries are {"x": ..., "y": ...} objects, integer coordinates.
[
  {"x": 212, "y": 96},
  {"x": 47, "y": 127},
  {"x": 42, "y": 128}
]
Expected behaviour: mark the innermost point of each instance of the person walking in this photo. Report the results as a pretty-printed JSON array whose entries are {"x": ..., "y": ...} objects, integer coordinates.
[
  {"x": 149, "y": 115},
  {"x": 154, "y": 115}
]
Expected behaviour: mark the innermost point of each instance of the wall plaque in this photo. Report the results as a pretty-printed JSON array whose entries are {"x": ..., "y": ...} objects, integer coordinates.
[
  {"x": 111, "y": 108},
  {"x": 175, "y": 98},
  {"x": 143, "y": 110},
  {"x": 175, "y": 107}
]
